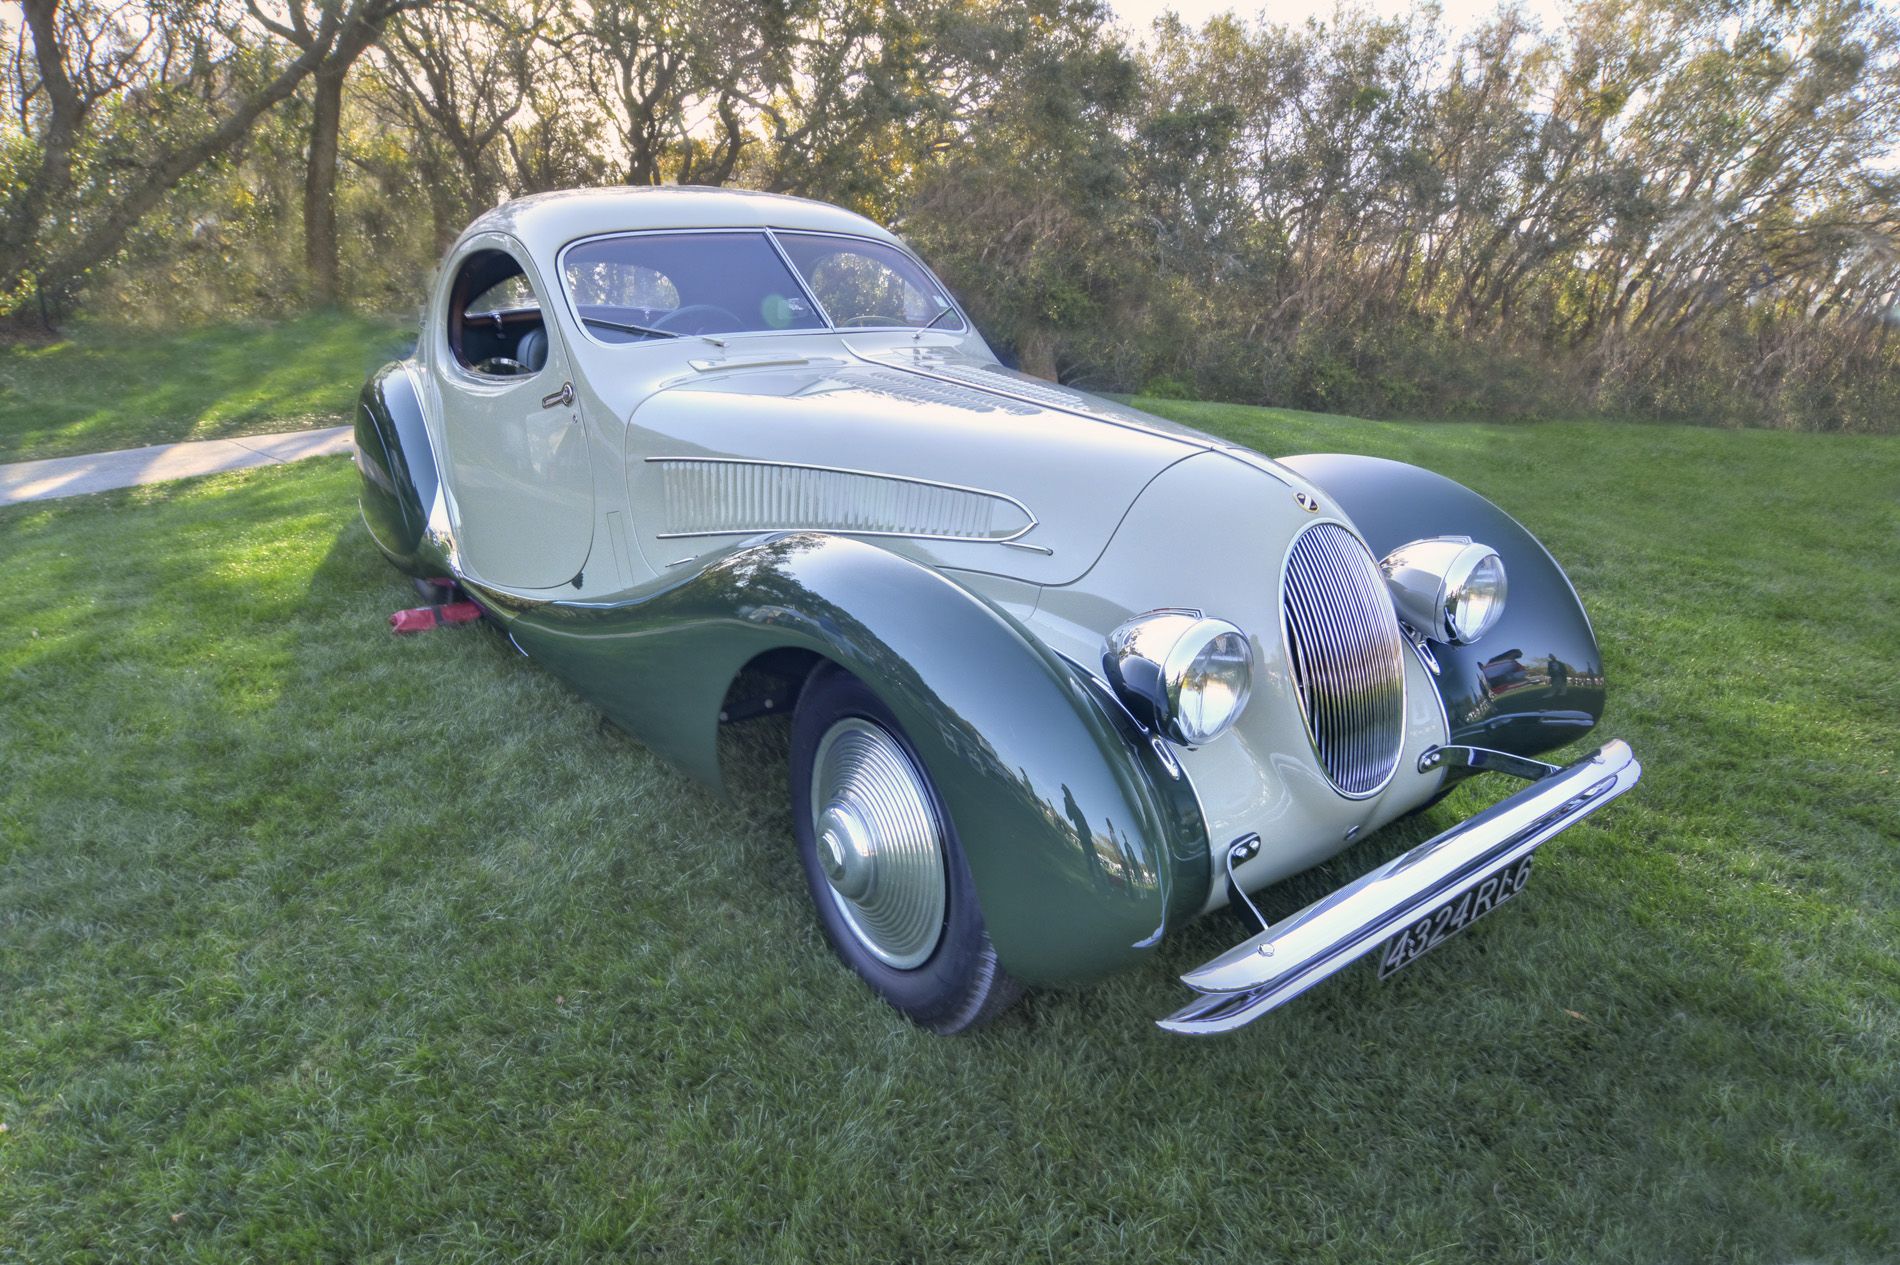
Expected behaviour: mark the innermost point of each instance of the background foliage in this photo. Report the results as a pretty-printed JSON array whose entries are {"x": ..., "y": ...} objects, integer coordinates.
[{"x": 1677, "y": 208}]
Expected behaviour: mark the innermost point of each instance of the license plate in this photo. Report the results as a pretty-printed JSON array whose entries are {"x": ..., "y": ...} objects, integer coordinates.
[{"x": 1454, "y": 916}]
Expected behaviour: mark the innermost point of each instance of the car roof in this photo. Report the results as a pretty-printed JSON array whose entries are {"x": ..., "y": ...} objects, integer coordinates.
[{"x": 544, "y": 222}]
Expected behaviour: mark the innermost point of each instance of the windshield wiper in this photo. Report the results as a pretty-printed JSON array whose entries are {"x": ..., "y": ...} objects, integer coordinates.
[
  {"x": 624, "y": 328},
  {"x": 932, "y": 322}
]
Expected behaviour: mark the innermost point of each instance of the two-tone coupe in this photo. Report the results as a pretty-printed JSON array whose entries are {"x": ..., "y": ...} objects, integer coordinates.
[{"x": 1062, "y": 675}]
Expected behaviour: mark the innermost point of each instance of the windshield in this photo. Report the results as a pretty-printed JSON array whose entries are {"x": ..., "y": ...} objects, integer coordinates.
[
  {"x": 661, "y": 285},
  {"x": 867, "y": 284}
]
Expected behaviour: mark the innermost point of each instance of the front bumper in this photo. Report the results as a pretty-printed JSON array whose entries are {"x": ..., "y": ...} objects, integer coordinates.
[{"x": 1298, "y": 952}]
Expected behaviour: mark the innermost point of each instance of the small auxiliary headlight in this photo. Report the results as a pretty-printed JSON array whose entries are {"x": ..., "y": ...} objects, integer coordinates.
[
  {"x": 1183, "y": 675},
  {"x": 1449, "y": 588}
]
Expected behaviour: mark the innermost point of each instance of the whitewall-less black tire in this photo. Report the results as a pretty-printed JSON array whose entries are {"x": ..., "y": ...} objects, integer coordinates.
[{"x": 881, "y": 857}]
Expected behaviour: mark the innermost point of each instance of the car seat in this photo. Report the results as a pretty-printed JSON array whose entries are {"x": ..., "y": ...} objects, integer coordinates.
[{"x": 532, "y": 350}]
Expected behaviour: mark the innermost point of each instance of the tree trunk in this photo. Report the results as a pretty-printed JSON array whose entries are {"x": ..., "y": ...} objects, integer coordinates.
[
  {"x": 1036, "y": 352},
  {"x": 21, "y": 227},
  {"x": 319, "y": 189},
  {"x": 447, "y": 215},
  {"x": 108, "y": 234}
]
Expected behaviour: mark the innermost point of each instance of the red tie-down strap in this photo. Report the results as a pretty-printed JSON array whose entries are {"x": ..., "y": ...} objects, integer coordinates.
[{"x": 424, "y": 618}]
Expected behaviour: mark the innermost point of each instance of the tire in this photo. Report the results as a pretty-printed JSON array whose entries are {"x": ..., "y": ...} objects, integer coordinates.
[{"x": 900, "y": 908}]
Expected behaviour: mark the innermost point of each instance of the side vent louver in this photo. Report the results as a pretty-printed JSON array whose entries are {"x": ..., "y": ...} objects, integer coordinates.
[{"x": 720, "y": 496}]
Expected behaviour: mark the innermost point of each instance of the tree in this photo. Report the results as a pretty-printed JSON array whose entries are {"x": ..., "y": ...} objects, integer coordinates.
[
  {"x": 332, "y": 34},
  {"x": 1032, "y": 216},
  {"x": 454, "y": 78},
  {"x": 114, "y": 109},
  {"x": 672, "y": 77}
]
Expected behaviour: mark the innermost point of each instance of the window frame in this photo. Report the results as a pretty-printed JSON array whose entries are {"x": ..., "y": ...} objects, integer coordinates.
[
  {"x": 457, "y": 297},
  {"x": 771, "y": 233}
]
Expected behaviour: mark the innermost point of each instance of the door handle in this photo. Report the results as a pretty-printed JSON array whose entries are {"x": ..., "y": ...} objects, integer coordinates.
[{"x": 564, "y": 397}]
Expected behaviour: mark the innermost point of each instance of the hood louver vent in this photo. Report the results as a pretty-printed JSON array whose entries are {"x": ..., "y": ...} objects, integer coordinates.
[{"x": 716, "y": 496}]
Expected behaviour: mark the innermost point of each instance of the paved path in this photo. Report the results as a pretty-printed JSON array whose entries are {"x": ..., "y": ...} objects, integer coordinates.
[{"x": 73, "y": 476}]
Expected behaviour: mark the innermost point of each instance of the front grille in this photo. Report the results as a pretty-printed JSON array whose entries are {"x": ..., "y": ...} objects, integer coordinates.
[{"x": 1348, "y": 657}]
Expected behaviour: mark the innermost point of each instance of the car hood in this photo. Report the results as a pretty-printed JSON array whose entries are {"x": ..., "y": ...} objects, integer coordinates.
[{"x": 951, "y": 459}]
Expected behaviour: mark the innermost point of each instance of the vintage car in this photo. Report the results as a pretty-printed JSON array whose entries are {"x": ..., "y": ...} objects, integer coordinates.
[{"x": 1062, "y": 675}]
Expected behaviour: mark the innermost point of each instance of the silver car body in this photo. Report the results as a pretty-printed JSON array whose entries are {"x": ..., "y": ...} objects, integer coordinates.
[{"x": 618, "y": 463}]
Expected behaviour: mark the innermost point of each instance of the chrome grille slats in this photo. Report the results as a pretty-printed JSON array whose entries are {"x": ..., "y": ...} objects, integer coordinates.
[
  {"x": 1348, "y": 657},
  {"x": 730, "y": 496}
]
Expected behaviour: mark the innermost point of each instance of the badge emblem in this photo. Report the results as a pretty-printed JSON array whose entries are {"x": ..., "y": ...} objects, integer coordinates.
[{"x": 1308, "y": 502}]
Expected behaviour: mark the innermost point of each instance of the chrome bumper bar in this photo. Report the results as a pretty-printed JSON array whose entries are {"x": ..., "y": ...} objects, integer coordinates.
[{"x": 1298, "y": 952}]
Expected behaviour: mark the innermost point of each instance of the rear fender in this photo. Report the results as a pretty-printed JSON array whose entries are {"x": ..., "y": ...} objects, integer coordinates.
[
  {"x": 398, "y": 471},
  {"x": 1085, "y": 841},
  {"x": 1535, "y": 681}
]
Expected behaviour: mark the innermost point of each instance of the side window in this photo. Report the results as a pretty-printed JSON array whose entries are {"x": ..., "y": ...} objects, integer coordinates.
[
  {"x": 510, "y": 294},
  {"x": 495, "y": 323}
]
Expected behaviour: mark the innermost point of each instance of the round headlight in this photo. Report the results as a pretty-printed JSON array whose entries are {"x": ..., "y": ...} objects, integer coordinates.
[
  {"x": 1476, "y": 603},
  {"x": 1449, "y": 588},
  {"x": 1182, "y": 675}
]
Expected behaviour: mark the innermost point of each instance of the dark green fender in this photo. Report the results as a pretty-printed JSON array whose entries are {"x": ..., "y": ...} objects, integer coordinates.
[
  {"x": 398, "y": 470},
  {"x": 1084, "y": 844},
  {"x": 1535, "y": 681}
]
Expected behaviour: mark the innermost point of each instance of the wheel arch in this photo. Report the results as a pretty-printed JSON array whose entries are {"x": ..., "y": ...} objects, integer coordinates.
[
  {"x": 1535, "y": 681},
  {"x": 1085, "y": 845}
]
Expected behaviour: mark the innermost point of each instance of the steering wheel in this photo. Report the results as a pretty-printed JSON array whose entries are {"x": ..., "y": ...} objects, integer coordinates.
[
  {"x": 501, "y": 367},
  {"x": 874, "y": 318},
  {"x": 697, "y": 318}
]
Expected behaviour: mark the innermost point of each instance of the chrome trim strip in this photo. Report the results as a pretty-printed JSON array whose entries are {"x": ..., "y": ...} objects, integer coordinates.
[
  {"x": 865, "y": 474},
  {"x": 714, "y": 366},
  {"x": 1298, "y": 952}
]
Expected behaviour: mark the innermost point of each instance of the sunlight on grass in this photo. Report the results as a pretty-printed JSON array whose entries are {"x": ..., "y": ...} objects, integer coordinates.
[
  {"x": 325, "y": 944},
  {"x": 105, "y": 389}
]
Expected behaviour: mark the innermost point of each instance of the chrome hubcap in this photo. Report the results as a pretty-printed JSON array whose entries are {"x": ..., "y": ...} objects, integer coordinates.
[
  {"x": 879, "y": 843},
  {"x": 850, "y": 852}
]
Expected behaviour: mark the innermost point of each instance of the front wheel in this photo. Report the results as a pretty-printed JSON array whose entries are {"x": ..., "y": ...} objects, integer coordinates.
[{"x": 883, "y": 863}]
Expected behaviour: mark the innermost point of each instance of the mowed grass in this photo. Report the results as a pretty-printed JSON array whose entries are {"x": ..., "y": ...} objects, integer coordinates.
[
  {"x": 320, "y": 944},
  {"x": 101, "y": 389}
]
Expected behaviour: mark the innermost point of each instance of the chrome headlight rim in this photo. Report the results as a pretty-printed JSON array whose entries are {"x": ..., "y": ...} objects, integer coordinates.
[
  {"x": 1432, "y": 579},
  {"x": 1150, "y": 661}
]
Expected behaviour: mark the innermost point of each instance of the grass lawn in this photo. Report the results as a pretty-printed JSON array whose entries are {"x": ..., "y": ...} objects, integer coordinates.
[
  {"x": 318, "y": 944},
  {"x": 102, "y": 389}
]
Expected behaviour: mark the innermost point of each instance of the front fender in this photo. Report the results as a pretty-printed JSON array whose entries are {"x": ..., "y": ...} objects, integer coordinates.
[
  {"x": 1535, "y": 681},
  {"x": 1085, "y": 843}
]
